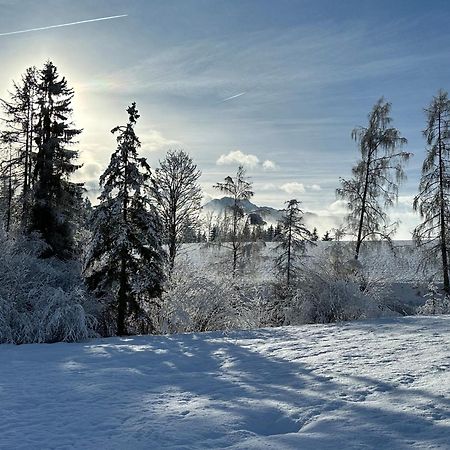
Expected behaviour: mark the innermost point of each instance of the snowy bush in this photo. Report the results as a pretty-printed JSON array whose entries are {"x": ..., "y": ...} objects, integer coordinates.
[
  {"x": 336, "y": 287},
  {"x": 436, "y": 302},
  {"x": 203, "y": 301},
  {"x": 41, "y": 300}
]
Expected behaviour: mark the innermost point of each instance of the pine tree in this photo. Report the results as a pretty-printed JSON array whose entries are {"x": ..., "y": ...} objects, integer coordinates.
[
  {"x": 292, "y": 241},
  {"x": 433, "y": 200},
  {"x": 314, "y": 235},
  {"x": 178, "y": 197},
  {"x": 239, "y": 189},
  {"x": 126, "y": 257},
  {"x": 56, "y": 200},
  {"x": 326, "y": 237},
  {"x": 376, "y": 177}
]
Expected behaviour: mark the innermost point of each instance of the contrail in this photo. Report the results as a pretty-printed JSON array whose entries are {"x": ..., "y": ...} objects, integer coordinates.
[
  {"x": 63, "y": 25},
  {"x": 233, "y": 96}
]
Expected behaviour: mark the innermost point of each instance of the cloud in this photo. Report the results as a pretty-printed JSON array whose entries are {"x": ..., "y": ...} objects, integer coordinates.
[
  {"x": 238, "y": 157},
  {"x": 293, "y": 188},
  {"x": 269, "y": 165},
  {"x": 153, "y": 141},
  {"x": 314, "y": 187},
  {"x": 266, "y": 187}
]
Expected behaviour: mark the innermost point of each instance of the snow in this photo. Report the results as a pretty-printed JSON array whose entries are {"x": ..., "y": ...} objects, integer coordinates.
[{"x": 369, "y": 385}]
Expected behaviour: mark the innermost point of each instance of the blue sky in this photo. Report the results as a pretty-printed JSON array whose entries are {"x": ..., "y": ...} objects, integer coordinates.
[{"x": 310, "y": 71}]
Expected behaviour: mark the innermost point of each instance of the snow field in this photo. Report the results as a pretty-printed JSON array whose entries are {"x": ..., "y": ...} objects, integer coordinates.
[{"x": 381, "y": 384}]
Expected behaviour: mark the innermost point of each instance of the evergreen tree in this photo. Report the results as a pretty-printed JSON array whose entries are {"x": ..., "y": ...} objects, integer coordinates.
[
  {"x": 314, "y": 235},
  {"x": 433, "y": 200},
  {"x": 376, "y": 177},
  {"x": 56, "y": 200},
  {"x": 214, "y": 235},
  {"x": 239, "y": 189},
  {"x": 292, "y": 241},
  {"x": 326, "y": 237},
  {"x": 126, "y": 258},
  {"x": 270, "y": 233},
  {"x": 277, "y": 231},
  {"x": 178, "y": 197}
]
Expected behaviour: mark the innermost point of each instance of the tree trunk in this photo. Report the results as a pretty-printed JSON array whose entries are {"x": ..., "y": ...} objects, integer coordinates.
[
  {"x": 363, "y": 209},
  {"x": 122, "y": 300},
  {"x": 289, "y": 251},
  {"x": 442, "y": 214}
]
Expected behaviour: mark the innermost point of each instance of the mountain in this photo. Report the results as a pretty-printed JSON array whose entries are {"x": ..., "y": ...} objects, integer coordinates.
[
  {"x": 271, "y": 216},
  {"x": 268, "y": 214}
]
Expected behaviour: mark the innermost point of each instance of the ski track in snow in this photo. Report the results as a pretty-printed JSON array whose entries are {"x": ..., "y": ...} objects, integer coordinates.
[{"x": 381, "y": 384}]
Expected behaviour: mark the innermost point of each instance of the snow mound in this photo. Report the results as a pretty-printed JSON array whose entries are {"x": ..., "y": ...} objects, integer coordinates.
[{"x": 377, "y": 384}]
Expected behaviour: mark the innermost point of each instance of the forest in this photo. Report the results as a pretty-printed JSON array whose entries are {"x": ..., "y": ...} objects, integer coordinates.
[{"x": 147, "y": 258}]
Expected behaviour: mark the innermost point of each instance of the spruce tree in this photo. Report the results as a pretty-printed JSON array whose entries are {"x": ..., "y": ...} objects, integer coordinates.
[
  {"x": 433, "y": 200},
  {"x": 126, "y": 258},
  {"x": 55, "y": 199},
  {"x": 292, "y": 240},
  {"x": 376, "y": 177}
]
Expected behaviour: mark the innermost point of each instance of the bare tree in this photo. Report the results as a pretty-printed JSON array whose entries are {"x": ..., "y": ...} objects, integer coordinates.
[
  {"x": 239, "y": 189},
  {"x": 433, "y": 200},
  {"x": 376, "y": 177},
  {"x": 178, "y": 196}
]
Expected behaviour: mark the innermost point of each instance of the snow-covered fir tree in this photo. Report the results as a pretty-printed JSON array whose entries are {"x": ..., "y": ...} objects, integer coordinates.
[{"x": 125, "y": 259}]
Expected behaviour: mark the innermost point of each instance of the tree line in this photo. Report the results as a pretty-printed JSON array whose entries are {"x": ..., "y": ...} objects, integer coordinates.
[{"x": 128, "y": 243}]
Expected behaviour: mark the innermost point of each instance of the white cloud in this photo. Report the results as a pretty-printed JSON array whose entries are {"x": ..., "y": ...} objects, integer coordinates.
[
  {"x": 266, "y": 187},
  {"x": 269, "y": 165},
  {"x": 293, "y": 188},
  {"x": 314, "y": 187},
  {"x": 238, "y": 157},
  {"x": 153, "y": 141}
]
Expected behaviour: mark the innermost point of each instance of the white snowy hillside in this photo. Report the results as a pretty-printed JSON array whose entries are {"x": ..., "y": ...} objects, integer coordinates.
[{"x": 381, "y": 384}]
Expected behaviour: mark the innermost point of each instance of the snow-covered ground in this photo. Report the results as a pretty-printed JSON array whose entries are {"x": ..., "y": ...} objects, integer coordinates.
[{"x": 369, "y": 385}]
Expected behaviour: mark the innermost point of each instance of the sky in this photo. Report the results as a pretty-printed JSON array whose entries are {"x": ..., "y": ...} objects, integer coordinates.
[{"x": 275, "y": 85}]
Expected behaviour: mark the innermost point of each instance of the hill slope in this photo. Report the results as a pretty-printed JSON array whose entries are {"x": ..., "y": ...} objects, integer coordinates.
[{"x": 382, "y": 384}]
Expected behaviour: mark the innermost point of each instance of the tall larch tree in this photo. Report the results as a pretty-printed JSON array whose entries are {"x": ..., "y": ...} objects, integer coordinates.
[
  {"x": 376, "y": 177},
  {"x": 56, "y": 200},
  {"x": 20, "y": 119},
  {"x": 239, "y": 188},
  {"x": 433, "y": 200},
  {"x": 178, "y": 197},
  {"x": 125, "y": 258}
]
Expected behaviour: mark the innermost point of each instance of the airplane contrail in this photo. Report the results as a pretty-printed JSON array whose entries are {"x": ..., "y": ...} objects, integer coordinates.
[
  {"x": 98, "y": 19},
  {"x": 233, "y": 96}
]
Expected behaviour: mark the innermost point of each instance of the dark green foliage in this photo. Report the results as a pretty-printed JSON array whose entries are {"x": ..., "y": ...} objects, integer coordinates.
[
  {"x": 56, "y": 200},
  {"x": 125, "y": 259}
]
